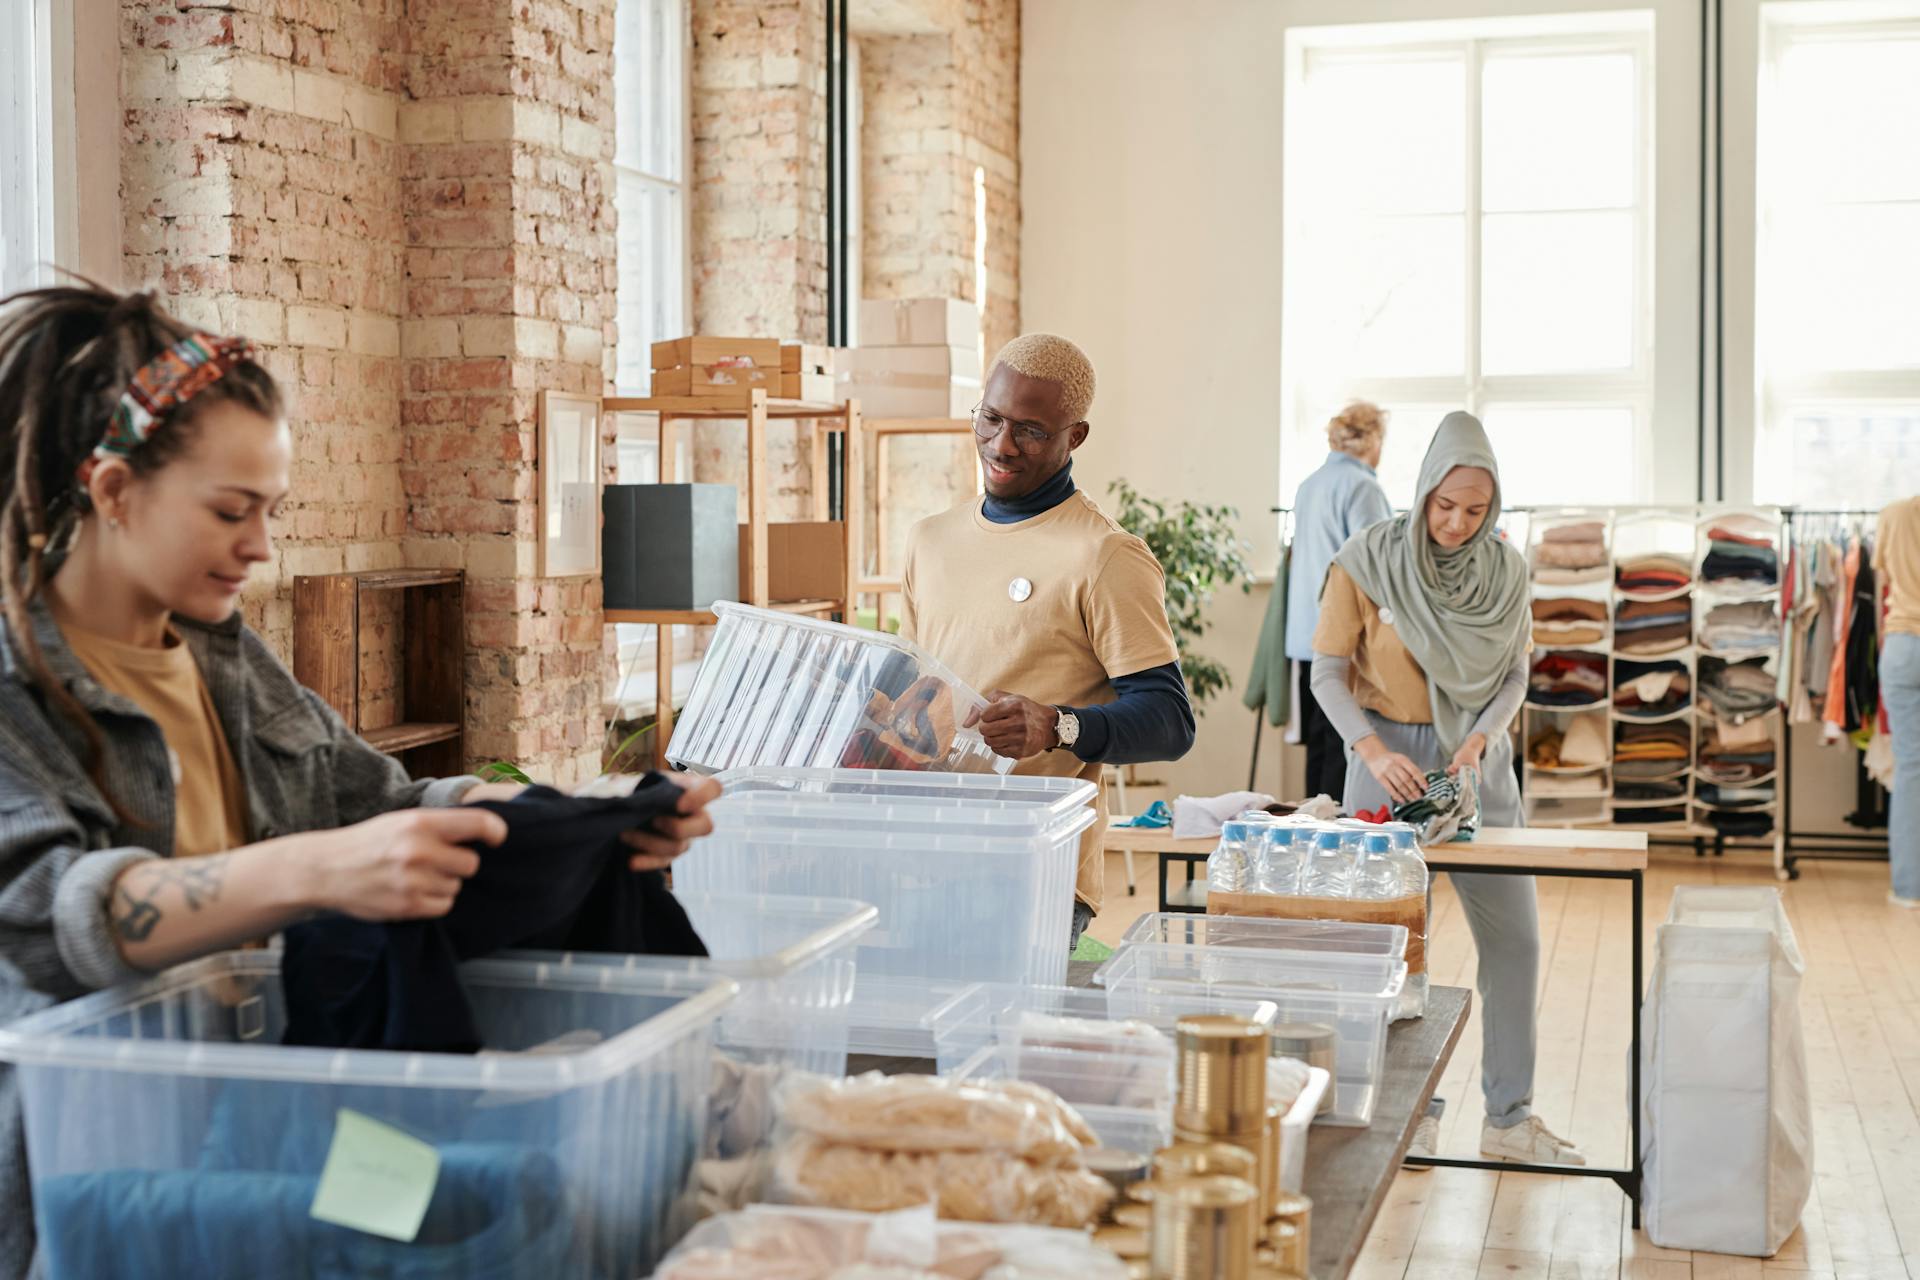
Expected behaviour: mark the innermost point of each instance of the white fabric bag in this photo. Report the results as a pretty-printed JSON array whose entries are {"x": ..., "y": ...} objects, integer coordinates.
[{"x": 1727, "y": 1122}]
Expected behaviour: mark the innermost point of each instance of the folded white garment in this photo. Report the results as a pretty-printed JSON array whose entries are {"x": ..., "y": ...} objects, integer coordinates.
[{"x": 1196, "y": 816}]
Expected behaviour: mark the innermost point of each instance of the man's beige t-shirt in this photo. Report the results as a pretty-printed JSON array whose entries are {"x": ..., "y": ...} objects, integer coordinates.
[
  {"x": 210, "y": 800},
  {"x": 1896, "y": 556},
  {"x": 1094, "y": 609}
]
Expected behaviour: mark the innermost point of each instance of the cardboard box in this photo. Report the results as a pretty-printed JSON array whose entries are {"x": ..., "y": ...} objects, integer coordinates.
[
  {"x": 887, "y": 399},
  {"x": 919, "y": 322},
  {"x": 698, "y": 350},
  {"x": 806, "y": 560},
  {"x": 815, "y": 388},
  {"x": 670, "y": 546},
  {"x": 715, "y": 380},
  {"x": 806, "y": 358},
  {"x": 962, "y": 362}
]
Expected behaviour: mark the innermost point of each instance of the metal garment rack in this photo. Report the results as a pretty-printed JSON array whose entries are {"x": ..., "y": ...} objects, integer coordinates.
[{"x": 1829, "y": 846}]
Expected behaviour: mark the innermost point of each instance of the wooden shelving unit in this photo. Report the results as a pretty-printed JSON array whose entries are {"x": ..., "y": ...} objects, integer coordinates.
[
  {"x": 803, "y": 568},
  {"x": 883, "y": 430},
  {"x": 327, "y": 612}
]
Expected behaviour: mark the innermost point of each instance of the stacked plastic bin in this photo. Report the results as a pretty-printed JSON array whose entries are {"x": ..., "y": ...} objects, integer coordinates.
[
  {"x": 169, "y": 1133},
  {"x": 972, "y": 875},
  {"x": 777, "y": 689},
  {"x": 1346, "y": 977}
]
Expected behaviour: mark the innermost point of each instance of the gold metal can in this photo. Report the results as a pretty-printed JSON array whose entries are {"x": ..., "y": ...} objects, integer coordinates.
[
  {"x": 1203, "y": 1230},
  {"x": 1293, "y": 1216},
  {"x": 1314, "y": 1043},
  {"x": 1222, "y": 1076},
  {"x": 1201, "y": 1159},
  {"x": 1269, "y": 1167}
]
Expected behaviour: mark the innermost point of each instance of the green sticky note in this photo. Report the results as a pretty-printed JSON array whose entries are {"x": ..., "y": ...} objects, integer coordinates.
[{"x": 377, "y": 1179}]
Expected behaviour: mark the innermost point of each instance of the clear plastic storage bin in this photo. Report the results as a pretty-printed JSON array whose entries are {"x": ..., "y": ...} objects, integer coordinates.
[
  {"x": 1354, "y": 994},
  {"x": 793, "y": 959},
  {"x": 987, "y": 1014},
  {"x": 779, "y": 689},
  {"x": 1175, "y": 928},
  {"x": 170, "y": 1134},
  {"x": 974, "y": 882}
]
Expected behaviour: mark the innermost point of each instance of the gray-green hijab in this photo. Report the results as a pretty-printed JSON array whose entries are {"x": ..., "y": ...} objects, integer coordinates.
[{"x": 1463, "y": 613}]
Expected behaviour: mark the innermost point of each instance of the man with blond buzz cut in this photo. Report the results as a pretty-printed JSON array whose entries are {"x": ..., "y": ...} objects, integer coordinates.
[{"x": 1035, "y": 596}]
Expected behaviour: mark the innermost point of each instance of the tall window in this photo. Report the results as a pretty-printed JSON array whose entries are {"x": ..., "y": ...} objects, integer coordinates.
[
  {"x": 1467, "y": 225},
  {"x": 1838, "y": 279},
  {"x": 650, "y": 193},
  {"x": 26, "y": 146}
]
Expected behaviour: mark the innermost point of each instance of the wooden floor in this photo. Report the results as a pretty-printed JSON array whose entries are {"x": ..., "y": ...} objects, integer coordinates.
[{"x": 1861, "y": 1008}]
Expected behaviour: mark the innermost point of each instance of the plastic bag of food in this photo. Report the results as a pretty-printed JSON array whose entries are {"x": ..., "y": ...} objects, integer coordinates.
[
  {"x": 970, "y": 1186},
  {"x": 933, "y": 1114}
]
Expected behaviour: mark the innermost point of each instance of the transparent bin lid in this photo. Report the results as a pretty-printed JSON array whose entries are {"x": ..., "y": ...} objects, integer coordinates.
[
  {"x": 989, "y": 1013},
  {"x": 749, "y": 937},
  {"x": 1378, "y": 977},
  {"x": 807, "y": 829},
  {"x": 851, "y": 788},
  {"x": 779, "y": 689},
  {"x": 1171, "y": 928}
]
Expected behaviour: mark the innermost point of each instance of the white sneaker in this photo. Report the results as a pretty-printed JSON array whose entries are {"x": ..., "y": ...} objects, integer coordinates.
[
  {"x": 1529, "y": 1142},
  {"x": 1911, "y": 904},
  {"x": 1426, "y": 1136}
]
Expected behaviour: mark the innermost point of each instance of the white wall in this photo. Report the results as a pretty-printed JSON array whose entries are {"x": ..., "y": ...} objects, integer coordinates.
[{"x": 1151, "y": 202}]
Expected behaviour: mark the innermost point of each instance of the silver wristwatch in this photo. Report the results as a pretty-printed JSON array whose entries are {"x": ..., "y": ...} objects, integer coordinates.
[{"x": 1067, "y": 727}]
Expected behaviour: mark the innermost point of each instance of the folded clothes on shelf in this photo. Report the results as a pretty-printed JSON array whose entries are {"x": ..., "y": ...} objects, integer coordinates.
[
  {"x": 1652, "y": 574},
  {"x": 1669, "y": 740},
  {"x": 1651, "y": 626},
  {"x": 1651, "y": 792},
  {"x": 1734, "y": 797},
  {"x": 1740, "y": 823},
  {"x": 1562, "y": 622},
  {"x": 1581, "y": 745},
  {"x": 1572, "y": 546},
  {"x": 1736, "y": 555},
  {"x": 1564, "y": 679},
  {"x": 1651, "y": 688},
  {"x": 1750, "y": 624},
  {"x": 1654, "y": 816},
  {"x": 1649, "y": 769},
  {"x": 1738, "y": 690},
  {"x": 1547, "y": 576}
]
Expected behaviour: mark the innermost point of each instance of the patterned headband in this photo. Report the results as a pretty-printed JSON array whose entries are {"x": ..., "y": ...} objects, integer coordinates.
[{"x": 166, "y": 382}]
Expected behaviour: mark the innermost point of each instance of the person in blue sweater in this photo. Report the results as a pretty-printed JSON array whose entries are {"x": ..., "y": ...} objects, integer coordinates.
[{"x": 1035, "y": 596}]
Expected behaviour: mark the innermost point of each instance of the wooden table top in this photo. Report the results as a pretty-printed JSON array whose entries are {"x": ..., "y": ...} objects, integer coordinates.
[
  {"x": 1547, "y": 848},
  {"x": 1350, "y": 1170}
]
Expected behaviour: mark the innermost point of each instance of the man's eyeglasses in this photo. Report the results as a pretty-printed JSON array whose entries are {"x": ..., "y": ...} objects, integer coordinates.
[{"x": 987, "y": 425}]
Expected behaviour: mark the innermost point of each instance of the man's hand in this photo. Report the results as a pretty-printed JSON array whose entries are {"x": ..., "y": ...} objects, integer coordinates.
[{"x": 1017, "y": 727}]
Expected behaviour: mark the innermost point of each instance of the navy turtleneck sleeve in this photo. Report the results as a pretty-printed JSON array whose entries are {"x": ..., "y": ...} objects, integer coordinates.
[{"x": 1150, "y": 717}]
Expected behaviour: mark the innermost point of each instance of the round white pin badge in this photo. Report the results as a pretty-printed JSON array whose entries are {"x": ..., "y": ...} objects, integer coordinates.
[
  {"x": 1386, "y": 616},
  {"x": 1019, "y": 590}
]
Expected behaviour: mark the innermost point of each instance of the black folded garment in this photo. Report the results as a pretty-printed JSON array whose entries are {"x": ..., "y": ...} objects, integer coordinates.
[
  {"x": 559, "y": 881},
  {"x": 1734, "y": 823}
]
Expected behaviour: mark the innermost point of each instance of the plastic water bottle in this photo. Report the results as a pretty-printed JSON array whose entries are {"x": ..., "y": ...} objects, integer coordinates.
[
  {"x": 1410, "y": 889},
  {"x": 1227, "y": 865},
  {"x": 1377, "y": 875},
  {"x": 1411, "y": 867},
  {"x": 1328, "y": 872},
  {"x": 1281, "y": 851}
]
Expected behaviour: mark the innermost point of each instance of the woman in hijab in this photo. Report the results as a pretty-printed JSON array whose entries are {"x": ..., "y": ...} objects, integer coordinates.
[{"x": 1420, "y": 661}]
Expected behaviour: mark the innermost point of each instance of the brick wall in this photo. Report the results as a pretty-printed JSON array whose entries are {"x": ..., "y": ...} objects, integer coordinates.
[{"x": 409, "y": 205}]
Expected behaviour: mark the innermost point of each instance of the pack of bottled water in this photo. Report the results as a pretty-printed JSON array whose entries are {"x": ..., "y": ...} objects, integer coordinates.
[{"x": 1304, "y": 869}]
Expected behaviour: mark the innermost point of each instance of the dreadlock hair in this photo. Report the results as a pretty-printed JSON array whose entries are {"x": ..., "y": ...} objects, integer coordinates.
[{"x": 66, "y": 355}]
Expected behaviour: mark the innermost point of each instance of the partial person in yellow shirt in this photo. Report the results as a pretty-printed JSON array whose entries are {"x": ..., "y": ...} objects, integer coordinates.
[{"x": 1036, "y": 597}]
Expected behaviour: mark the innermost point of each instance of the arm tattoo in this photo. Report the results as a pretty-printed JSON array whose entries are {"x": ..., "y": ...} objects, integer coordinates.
[{"x": 136, "y": 910}]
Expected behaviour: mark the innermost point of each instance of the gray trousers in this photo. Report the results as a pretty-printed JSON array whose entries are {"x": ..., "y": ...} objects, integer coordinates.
[{"x": 1502, "y": 912}]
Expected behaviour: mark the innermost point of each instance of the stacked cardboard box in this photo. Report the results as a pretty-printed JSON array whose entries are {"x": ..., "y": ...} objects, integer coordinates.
[
  {"x": 917, "y": 358},
  {"x": 703, "y": 366},
  {"x": 806, "y": 373}
]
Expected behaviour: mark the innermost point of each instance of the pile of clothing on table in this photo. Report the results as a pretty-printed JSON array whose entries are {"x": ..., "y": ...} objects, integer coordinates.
[
  {"x": 1655, "y": 574},
  {"x": 1743, "y": 626},
  {"x": 1741, "y": 550},
  {"x": 1653, "y": 626},
  {"x": 1738, "y": 691},
  {"x": 1563, "y": 679},
  {"x": 1571, "y": 553},
  {"x": 1557, "y": 623},
  {"x": 1648, "y": 690},
  {"x": 1449, "y": 810}
]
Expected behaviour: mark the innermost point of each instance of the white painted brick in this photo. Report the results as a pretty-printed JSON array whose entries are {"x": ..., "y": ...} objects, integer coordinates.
[
  {"x": 580, "y": 344},
  {"x": 308, "y": 560},
  {"x": 373, "y": 112},
  {"x": 318, "y": 96},
  {"x": 205, "y": 75},
  {"x": 434, "y": 553},
  {"x": 485, "y": 119},
  {"x": 501, "y": 558},
  {"x": 146, "y": 74},
  {"x": 536, "y": 339},
  {"x": 373, "y": 335},
  {"x": 261, "y": 319},
  {"x": 430, "y": 339},
  {"x": 536, "y": 122},
  {"x": 486, "y": 336},
  {"x": 262, "y": 82},
  {"x": 324, "y": 327},
  {"x": 434, "y": 121},
  {"x": 578, "y": 138}
]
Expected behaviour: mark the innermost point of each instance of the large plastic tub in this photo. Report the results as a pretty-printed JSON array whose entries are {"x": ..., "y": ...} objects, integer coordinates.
[
  {"x": 1177, "y": 928},
  {"x": 170, "y": 1134},
  {"x": 987, "y": 1014},
  {"x": 778, "y": 689},
  {"x": 1354, "y": 994},
  {"x": 973, "y": 878},
  {"x": 793, "y": 959}
]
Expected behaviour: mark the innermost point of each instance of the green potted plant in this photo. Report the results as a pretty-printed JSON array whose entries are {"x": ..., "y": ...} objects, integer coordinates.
[{"x": 1200, "y": 553}]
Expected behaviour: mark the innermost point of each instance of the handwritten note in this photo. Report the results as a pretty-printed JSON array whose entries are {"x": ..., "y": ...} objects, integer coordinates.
[{"x": 377, "y": 1179}]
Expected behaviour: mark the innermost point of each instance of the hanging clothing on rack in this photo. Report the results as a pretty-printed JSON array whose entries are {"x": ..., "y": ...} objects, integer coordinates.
[{"x": 1834, "y": 711}]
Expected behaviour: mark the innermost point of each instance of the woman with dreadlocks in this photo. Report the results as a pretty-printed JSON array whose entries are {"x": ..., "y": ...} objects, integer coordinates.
[{"x": 167, "y": 789}]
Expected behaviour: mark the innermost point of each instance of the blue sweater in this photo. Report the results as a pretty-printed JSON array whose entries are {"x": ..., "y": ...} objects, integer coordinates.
[{"x": 1150, "y": 717}]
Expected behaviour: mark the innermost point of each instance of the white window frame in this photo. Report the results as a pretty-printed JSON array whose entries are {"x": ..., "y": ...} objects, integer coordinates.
[
  {"x": 682, "y": 185},
  {"x": 1632, "y": 388},
  {"x": 1777, "y": 398},
  {"x": 36, "y": 59}
]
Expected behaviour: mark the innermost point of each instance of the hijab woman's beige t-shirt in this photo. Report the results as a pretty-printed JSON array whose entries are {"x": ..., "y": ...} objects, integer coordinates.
[
  {"x": 210, "y": 811},
  {"x": 1386, "y": 677},
  {"x": 1092, "y": 608}
]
